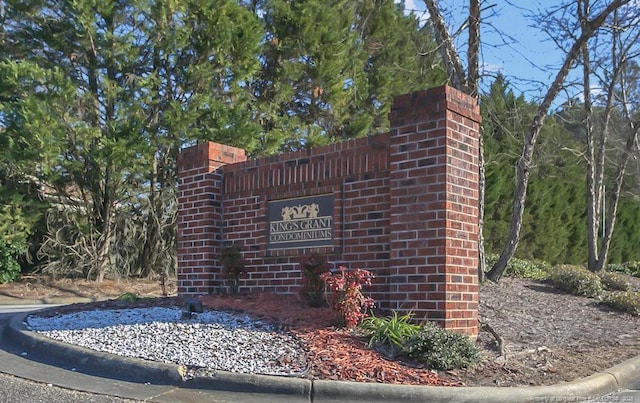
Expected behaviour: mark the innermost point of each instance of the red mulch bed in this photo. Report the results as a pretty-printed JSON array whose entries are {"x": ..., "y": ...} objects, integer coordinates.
[{"x": 333, "y": 353}]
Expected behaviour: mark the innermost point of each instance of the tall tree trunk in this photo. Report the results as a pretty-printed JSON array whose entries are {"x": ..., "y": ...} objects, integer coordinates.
[
  {"x": 593, "y": 195},
  {"x": 596, "y": 161},
  {"x": 468, "y": 84},
  {"x": 448, "y": 52},
  {"x": 523, "y": 167},
  {"x": 473, "y": 56},
  {"x": 630, "y": 146},
  {"x": 473, "y": 51},
  {"x": 481, "y": 199},
  {"x": 104, "y": 250}
]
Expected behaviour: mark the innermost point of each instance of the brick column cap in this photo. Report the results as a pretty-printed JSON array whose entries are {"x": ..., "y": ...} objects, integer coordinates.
[
  {"x": 410, "y": 108},
  {"x": 204, "y": 154}
]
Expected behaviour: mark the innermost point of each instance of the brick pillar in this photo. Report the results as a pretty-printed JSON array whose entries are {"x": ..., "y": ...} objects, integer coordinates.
[
  {"x": 434, "y": 207},
  {"x": 200, "y": 215}
]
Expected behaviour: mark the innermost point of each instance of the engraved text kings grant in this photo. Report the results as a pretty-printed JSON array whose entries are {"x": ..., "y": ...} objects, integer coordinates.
[{"x": 301, "y": 222}]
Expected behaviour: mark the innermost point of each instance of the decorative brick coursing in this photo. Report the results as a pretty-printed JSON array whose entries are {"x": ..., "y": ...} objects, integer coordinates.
[{"x": 405, "y": 208}]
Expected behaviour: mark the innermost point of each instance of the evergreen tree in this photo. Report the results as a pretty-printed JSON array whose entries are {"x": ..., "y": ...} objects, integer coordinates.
[
  {"x": 553, "y": 223},
  {"x": 331, "y": 68},
  {"x": 111, "y": 89},
  {"x": 97, "y": 97}
]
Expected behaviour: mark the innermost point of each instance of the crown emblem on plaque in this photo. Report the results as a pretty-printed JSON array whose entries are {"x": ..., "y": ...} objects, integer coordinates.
[{"x": 301, "y": 211}]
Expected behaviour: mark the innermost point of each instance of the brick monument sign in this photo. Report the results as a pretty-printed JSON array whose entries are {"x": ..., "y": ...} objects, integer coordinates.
[{"x": 402, "y": 204}]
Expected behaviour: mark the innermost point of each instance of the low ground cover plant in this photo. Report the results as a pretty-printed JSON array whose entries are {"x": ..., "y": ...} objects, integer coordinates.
[
  {"x": 522, "y": 268},
  {"x": 613, "y": 281},
  {"x": 610, "y": 286},
  {"x": 628, "y": 301},
  {"x": 128, "y": 297},
  {"x": 441, "y": 349},
  {"x": 576, "y": 280},
  {"x": 628, "y": 268}
]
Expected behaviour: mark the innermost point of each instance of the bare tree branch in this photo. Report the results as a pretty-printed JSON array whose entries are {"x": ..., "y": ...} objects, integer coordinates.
[
  {"x": 474, "y": 47},
  {"x": 523, "y": 167},
  {"x": 447, "y": 50}
]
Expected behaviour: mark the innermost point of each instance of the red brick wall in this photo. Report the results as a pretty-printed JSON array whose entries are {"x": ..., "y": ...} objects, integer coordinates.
[
  {"x": 434, "y": 213},
  {"x": 200, "y": 214},
  {"x": 405, "y": 207}
]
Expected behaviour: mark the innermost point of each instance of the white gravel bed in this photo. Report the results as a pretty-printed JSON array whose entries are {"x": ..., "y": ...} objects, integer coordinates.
[{"x": 211, "y": 340}]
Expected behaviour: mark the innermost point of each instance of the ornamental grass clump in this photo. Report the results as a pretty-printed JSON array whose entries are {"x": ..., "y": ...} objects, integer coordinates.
[
  {"x": 347, "y": 299},
  {"x": 576, "y": 280},
  {"x": 393, "y": 331}
]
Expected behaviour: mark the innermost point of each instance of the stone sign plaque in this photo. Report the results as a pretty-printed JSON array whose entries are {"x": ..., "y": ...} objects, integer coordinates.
[{"x": 302, "y": 222}]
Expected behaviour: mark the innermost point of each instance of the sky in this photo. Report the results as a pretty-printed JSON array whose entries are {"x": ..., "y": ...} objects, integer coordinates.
[{"x": 511, "y": 43}]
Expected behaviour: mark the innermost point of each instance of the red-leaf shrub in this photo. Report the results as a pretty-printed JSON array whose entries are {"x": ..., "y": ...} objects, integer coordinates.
[{"x": 347, "y": 299}]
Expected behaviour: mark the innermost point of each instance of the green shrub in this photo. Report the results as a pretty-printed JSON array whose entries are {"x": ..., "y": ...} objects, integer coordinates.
[
  {"x": 632, "y": 268},
  {"x": 613, "y": 281},
  {"x": 529, "y": 269},
  {"x": 440, "y": 349},
  {"x": 623, "y": 301},
  {"x": 312, "y": 267},
  {"x": 393, "y": 330},
  {"x": 233, "y": 265},
  {"x": 9, "y": 266},
  {"x": 576, "y": 279},
  {"x": 128, "y": 297},
  {"x": 16, "y": 226},
  {"x": 521, "y": 268},
  {"x": 629, "y": 268}
]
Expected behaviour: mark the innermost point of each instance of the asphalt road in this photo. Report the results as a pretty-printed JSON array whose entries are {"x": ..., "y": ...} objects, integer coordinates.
[
  {"x": 18, "y": 390},
  {"x": 629, "y": 395},
  {"x": 11, "y": 309}
]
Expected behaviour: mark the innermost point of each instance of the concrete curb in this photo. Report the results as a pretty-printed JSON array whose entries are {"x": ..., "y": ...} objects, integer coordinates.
[
  {"x": 334, "y": 391},
  {"x": 317, "y": 391},
  {"x": 626, "y": 372}
]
